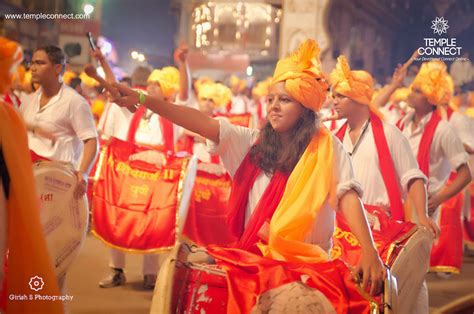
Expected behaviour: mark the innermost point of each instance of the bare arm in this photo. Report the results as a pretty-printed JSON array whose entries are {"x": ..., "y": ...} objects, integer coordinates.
[
  {"x": 188, "y": 118},
  {"x": 468, "y": 149},
  {"x": 370, "y": 264},
  {"x": 88, "y": 157},
  {"x": 109, "y": 74},
  {"x": 180, "y": 57},
  {"x": 417, "y": 194},
  {"x": 463, "y": 178},
  {"x": 384, "y": 95}
]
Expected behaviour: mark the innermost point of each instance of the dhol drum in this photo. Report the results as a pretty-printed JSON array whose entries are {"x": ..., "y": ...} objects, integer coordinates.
[
  {"x": 409, "y": 261},
  {"x": 63, "y": 217},
  {"x": 189, "y": 282}
]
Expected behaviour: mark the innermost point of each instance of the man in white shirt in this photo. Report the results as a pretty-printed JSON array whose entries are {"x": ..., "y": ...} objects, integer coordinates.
[
  {"x": 438, "y": 149},
  {"x": 59, "y": 121}
]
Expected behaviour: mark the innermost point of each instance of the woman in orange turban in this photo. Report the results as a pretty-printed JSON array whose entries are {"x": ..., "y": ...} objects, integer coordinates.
[{"x": 290, "y": 173}]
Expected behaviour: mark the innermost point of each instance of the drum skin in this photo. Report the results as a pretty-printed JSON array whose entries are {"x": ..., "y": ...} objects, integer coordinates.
[{"x": 64, "y": 219}]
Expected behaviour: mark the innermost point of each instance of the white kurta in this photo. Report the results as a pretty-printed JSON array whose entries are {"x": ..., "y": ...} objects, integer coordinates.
[
  {"x": 365, "y": 161},
  {"x": 446, "y": 152},
  {"x": 234, "y": 144},
  {"x": 68, "y": 117},
  {"x": 461, "y": 124}
]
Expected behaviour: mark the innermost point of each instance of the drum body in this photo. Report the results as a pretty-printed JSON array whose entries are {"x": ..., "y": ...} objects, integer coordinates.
[
  {"x": 409, "y": 261},
  {"x": 63, "y": 217},
  {"x": 188, "y": 282}
]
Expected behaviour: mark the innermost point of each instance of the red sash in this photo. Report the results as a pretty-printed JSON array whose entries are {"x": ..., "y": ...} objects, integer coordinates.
[
  {"x": 166, "y": 128},
  {"x": 386, "y": 165},
  {"x": 243, "y": 181},
  {"x": 423, "y": 156}
]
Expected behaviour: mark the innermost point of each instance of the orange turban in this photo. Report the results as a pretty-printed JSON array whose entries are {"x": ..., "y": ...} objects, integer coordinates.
[
  {"x": 356, "y": 85},
  {"x": 235, "y": 81},
  {"x": 220, "y": 94},
  {"x": 167, "y": 78},
  {"x": 261, "y": 89},
  {"x": 87, "y": 80},
  {"x": 11, "y": 56},
  {"x": 400, "y": 94},
  {"x": 68, "y": 76},
  {"x": 302, "y": 74},
  {"x": 434, "y": 82}
]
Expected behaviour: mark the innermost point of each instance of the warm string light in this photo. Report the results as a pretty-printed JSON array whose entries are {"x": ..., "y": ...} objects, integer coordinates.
[{"x": 208, "y": 18}]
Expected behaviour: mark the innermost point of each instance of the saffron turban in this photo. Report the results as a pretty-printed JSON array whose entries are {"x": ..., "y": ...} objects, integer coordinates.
[
  {"x": 303, "y": 77},
  {"x": 356, "y": 85},
  {"x": 167, "y": 78}
]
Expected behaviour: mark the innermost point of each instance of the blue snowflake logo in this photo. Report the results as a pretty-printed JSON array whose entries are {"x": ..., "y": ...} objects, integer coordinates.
[{"x": 439, "y": 25}]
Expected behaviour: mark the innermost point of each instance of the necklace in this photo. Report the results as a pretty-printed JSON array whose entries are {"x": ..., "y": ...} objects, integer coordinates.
[{"x": 356, "y": 146}]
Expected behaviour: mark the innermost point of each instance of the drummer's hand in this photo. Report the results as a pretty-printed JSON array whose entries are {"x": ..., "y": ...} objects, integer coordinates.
[
  {"x": 81, "y": 187},
  {"x": 372, "y": 271},
  {"x": 127, "y": 98},
  {"x": 433, "y": 203},
  {"x": 432, "y": 227}
]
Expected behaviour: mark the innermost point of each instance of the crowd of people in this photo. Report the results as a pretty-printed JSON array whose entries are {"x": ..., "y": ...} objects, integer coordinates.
[{"x": 307, "y": 155}]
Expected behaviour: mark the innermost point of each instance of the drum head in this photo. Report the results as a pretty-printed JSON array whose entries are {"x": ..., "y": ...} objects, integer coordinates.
[{"x": 64, "y": 219}]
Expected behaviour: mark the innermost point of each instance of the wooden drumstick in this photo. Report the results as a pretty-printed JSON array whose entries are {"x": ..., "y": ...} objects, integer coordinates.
[{"x": 92, "y": 72}]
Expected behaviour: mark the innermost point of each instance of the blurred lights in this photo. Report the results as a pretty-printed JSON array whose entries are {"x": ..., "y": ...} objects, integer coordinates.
[
  {"x": 88, "y": 9},
  {"x": 249, "y": 70},
  {"x": 140, "y": 57},
  {"x": 213, "y": 20}
]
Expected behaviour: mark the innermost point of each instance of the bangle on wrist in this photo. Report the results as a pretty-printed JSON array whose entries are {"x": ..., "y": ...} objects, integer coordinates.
[{"x": 141, "y": 97}]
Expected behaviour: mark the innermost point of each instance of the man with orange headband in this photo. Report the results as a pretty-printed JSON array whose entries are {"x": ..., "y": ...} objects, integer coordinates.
[
  {"x": 437, "y": 147},
  {"x": 21, "y": 233},
  {"x": 393, "y": 173},
  {"x": 292, "y": 174},
  {"x": 352, "y": 92}
]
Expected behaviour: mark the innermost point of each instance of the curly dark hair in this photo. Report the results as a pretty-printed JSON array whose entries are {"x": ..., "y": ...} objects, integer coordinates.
[{"x": 269, "y": 153}]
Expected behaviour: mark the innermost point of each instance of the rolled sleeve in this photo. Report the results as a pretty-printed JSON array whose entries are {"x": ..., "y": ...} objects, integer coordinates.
[
  {"x": 410, "y": 175},
  {"x": 343, "y": 171},
  {"x": 234, "y": 144}
]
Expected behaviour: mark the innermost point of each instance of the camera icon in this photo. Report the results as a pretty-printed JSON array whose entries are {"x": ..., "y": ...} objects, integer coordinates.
[{"x": 36, "y": 283}]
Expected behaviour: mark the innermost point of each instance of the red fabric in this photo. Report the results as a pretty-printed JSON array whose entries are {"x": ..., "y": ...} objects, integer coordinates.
[
  {"x": 135, "y": 202},
  {"x": 12, "y": 99},
  {"x": 35, "y": 157},
  {"x": 243, "y": 181},
  {"x": 423, "y": 156},
  {"x": 448, "y": 250},
  {"x": 347, "y": 247},
  {"x": 387, "y": 168},
  {"x": 206, "y": 222},
  {"x": 249, "y": 275},
  {"x": 166, "y": 129}
]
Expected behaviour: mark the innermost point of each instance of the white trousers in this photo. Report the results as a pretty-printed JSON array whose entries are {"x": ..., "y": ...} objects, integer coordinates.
[{"x": 150, "y": 262}]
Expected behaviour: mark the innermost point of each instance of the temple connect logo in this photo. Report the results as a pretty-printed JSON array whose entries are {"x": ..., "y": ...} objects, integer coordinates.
[{"x": 439, "y": 25}]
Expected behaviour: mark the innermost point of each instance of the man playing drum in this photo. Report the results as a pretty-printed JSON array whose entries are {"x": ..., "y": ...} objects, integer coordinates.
[
  {"x": 436, "y": 145},
  {"x": 383, "y": 161},
  {"x": 59, "y": 120}
]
